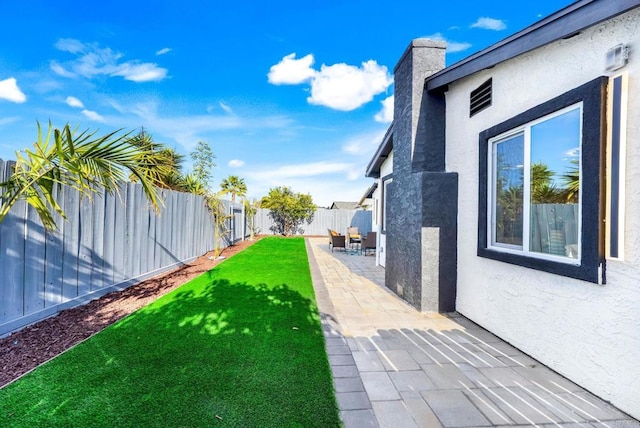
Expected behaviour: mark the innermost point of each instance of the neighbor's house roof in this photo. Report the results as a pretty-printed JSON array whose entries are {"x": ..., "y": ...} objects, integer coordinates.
[
  {"x": 565, "y": 23},
  {"x": 344, "y": 206},
  {"x": 368, "y": 194}
]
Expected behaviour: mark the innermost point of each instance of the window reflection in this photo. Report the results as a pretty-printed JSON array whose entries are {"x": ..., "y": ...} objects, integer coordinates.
[
  {"x": 555, "y": 185},
  {"x": 508, "y": 191}
]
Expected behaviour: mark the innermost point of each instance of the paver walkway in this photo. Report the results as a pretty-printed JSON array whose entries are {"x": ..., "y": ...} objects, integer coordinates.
[{"x": 396, "y": 367}]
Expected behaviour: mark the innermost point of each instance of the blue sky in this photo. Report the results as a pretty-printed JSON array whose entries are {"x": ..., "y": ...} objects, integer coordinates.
[{"x": 285, "y": 92}]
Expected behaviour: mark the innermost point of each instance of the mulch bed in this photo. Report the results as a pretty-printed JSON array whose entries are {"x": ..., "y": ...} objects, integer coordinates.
[{"x": 26, "y": 349}]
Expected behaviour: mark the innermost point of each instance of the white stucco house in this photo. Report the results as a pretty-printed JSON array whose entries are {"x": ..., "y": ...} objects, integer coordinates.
[{"x": 508, "y": 188}]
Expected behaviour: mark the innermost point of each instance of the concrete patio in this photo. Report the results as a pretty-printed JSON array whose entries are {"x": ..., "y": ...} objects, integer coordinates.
[{"x": 396, "y": 367}]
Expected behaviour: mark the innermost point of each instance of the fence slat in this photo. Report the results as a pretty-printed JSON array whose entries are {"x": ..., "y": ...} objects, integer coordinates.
[
  {"x": 85, "y": 258},
  {"x": 129, "y": 237},
  {"x": 119, "y": 235},
  {"x": 109, "y": 239},
  {"x": 11, "y": 266},
  {"x": 54, "y": 256},
  {"x": 97, "y": 244},
  {"x": 137, "y": 230},
  {"x": 70, "y": 244},
  {"x": 34, "y": 263}
]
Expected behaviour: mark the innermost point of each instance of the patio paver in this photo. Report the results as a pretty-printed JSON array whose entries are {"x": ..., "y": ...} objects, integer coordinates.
[{"x": 396, "y": 367}]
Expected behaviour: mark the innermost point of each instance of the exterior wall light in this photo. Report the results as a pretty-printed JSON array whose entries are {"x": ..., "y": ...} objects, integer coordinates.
[{"x": 616, "y": 57}]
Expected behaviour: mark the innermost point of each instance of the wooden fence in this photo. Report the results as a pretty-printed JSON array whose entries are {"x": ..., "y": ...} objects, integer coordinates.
[
  {"x": 106, "y": 243},
  {"x": 110, "y": 242},
  {"x": 323, "y": 219}
]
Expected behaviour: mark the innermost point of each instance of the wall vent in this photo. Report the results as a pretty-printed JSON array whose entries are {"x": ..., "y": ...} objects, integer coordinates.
[{"x": 480, "y": 98}]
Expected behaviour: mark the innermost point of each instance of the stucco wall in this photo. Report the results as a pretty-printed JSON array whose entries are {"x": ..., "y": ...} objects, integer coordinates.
[
  {"x": 386, "y": 169},
  {"x": 587, "y": 332},
  {"x": 387, "y": 166}
]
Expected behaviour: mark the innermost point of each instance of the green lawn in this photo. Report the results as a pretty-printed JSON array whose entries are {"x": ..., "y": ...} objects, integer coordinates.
[{"x": 240, "y": 345}]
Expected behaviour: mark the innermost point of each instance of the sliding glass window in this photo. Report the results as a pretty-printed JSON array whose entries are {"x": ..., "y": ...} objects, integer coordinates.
[{"x": 534, "y": 188}]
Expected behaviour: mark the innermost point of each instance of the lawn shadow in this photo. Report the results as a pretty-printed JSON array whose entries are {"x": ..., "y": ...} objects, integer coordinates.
[
  {"x": 214, "y": 352},
  {"x": 224, "y": 308},
  {"x": 253, "y": 353}
]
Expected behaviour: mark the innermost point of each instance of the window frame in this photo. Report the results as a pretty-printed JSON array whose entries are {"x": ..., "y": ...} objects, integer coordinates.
[
  {"x": 590, "y": 267},
  {"x": 525, "y": 131}
]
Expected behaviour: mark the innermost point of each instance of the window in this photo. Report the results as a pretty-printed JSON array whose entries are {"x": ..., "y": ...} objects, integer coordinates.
[
  {"x": 535, "y": 187},
  {"x": 541, "y": 186}
]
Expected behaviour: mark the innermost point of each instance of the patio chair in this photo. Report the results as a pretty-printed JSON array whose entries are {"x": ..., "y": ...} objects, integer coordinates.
[
  {"x": 354, "y": 236},
  {"x": 369, "y": 243},
  {"x": 336, "y": 240}
]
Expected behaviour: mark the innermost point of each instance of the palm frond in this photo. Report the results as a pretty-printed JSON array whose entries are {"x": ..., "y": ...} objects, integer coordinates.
[{"x": 80, "y": 160}]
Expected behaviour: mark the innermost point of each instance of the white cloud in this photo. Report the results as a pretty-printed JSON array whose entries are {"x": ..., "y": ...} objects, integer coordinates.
[
  {"x": 74, "y": 102},
  {"x": 236, "y": 163},
  {"x": 339, "y": 86},
  {"x": 451, "y": 45},
  {"x": 163, "y": 51},
  {"x": 313, "y": 169},
  {"x": 93, "y": 115},
  {"x": 140, "y": 72},
  {"x": 8, "y": 120},
  {"x": 386, "y": 114},
  {"x": 457, "y": 46},
  {"x": 327, "y": 180},
  {"x": 575, "y": 152},
  {"x": 45, "y": 85},
  {"x": 92, "y": 61},
  {"x": 363, "y": 145},
  {"x": 10, "y": 91},
  {"x": 70, "y": 45},
  {"x": 60, "y": 70},
  {"x": 225, "y": 107},
  {"x": 486, "y": 23},
  {"x": 187, "y": 130},
  {"x": 346, "y": 87},
  {"x": 291, "y": 71},
  {"x": 347, "y": 184}
]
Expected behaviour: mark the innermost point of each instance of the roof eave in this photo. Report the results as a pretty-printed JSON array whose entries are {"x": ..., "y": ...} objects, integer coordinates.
[
  {"x": 563, "y": 24},
  {"x": 381, "y": 154}
]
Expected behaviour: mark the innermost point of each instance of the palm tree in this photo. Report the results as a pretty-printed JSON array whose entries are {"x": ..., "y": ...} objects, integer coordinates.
[
  {"x": 510, "y": 208},
  {"x": 220, "y": 216},
  {"x": 234, "y": 185},
  {"x": 251, "y": 208},
  {"x": 163, "y": 164},
  {"x": 82, "y": 161},
  {"x": 571, "y": 178},
  {"x": 191, "y": 184}
]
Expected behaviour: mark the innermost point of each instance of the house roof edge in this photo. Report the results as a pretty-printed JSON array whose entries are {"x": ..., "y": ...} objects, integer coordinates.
[
  {"x": 564, "y": 23},
  {"x": 385, "y": 147}
]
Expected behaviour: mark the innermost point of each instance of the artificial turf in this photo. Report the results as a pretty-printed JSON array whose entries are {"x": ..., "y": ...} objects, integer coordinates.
[{"x": 240, "y": 345}]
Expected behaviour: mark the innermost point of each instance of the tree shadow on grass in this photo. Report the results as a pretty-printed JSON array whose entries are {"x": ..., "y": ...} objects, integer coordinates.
[{"x": 212, "y": 352}]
